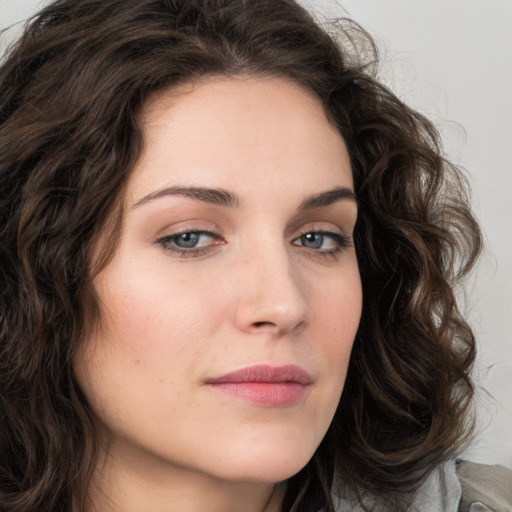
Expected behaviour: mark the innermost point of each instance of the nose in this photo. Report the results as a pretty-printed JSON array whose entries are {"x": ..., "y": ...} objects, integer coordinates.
[{"x": 272, "y": 297}]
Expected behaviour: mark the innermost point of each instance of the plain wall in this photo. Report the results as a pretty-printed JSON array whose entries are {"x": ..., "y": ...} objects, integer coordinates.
[{"x": 451, "y": 60}]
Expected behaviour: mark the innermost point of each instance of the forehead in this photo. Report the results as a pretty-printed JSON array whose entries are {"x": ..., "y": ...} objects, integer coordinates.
[{"x": 239, "y": 132}]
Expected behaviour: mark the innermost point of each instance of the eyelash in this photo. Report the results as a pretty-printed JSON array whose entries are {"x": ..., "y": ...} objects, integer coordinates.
[{"x": 342, "y": 242}]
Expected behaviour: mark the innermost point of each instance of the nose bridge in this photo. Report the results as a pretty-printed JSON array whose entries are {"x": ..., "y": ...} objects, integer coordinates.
[{"x": 272, "y": 295}]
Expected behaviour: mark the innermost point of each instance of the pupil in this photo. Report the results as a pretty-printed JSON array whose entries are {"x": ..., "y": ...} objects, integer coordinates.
[
  {"x": 187, "y": 240},
  {"x": 313, "y": 240}
]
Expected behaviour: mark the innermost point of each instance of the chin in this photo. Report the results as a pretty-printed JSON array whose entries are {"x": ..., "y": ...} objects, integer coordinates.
[{"x": 266, "y": 462}]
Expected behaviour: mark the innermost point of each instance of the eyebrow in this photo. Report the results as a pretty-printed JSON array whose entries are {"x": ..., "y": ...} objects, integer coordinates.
[
  {"x": 327, "y": 198},
  {"x": 216, "y": 196},
  {"x": 222, "y": 197}
]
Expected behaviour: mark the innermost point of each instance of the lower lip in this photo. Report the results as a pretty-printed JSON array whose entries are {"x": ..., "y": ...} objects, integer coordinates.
[{"x": 267, "y": 394}]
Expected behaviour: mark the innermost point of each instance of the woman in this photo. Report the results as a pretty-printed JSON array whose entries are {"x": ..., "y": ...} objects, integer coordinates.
[{"x": 229, "y": 259}]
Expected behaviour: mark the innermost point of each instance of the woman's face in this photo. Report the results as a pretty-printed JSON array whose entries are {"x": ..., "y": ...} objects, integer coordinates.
[{"x": 231, "y": 305}]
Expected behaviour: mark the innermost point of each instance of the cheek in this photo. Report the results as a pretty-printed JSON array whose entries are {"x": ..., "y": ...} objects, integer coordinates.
[
  {"x": 142, "y": 357},
  {"x": 338, "y": 312},
  {"x": 148, "y": 318},
  {"x": 338, "y": 305}
]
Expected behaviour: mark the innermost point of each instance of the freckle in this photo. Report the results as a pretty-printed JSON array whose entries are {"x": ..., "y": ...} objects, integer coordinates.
[{"x": 138, "y": 361}]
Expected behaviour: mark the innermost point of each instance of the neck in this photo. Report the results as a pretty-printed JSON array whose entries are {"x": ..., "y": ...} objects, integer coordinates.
[{"x": 125, "y": 486}]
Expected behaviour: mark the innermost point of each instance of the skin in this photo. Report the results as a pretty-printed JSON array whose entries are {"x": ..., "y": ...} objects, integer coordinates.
[{"x": 256, "y": 291}]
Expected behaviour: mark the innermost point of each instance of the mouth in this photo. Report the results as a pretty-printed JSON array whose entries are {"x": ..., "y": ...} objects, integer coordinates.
[{"x": 265, "y": 385}]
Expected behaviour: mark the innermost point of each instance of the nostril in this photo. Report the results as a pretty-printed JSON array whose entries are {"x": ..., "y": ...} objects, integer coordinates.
[{"x": 262, "y": 324}]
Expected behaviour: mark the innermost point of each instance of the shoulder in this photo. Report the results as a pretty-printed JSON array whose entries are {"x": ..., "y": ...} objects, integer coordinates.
[
  {"x": 455, "y": 486},
  {"x": 484, "y": 488},
  {"x": 463, "y": 486}
]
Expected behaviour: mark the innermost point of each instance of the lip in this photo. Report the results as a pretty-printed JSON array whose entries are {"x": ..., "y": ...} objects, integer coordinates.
[{"x": 265, "y": 385}]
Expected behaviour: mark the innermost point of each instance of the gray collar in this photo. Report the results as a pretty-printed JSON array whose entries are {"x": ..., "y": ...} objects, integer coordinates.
[{"x": 440, "y": 492}]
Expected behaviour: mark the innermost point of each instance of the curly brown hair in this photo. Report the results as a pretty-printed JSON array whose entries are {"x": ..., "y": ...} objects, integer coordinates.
[{"x": 71, "y": 91}]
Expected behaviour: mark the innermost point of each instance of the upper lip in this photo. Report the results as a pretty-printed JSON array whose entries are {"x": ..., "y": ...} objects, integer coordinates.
[{"x": 265, "y": 373}]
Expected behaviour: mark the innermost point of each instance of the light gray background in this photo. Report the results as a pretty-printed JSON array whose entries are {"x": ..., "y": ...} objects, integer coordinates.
[{"x": 450, "y": 59}]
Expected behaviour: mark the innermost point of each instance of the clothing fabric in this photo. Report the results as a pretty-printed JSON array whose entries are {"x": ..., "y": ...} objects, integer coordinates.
[
  {"x": 484, "y": 488},
  {"x": 440, "y": 492},
  {"x": 457, "y": 486}
]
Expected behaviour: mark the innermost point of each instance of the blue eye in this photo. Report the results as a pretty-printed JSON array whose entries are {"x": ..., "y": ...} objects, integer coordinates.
[
  {"x": 187, "y": 240},
  {"x": 312, "y": 240},
  {"x": 323, "y": 241},
  {"x": 196, "y": 243},
  {"x": 189, "y": 243}
]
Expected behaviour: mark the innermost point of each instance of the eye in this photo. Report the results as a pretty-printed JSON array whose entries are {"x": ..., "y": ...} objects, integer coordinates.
[
  {"x": 189, "y": 243},
  {"x": 192, "y": 239},
  {"x": 323, "y": 241}
]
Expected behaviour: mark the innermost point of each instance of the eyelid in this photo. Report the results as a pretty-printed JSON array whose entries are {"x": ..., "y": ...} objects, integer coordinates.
[
  {"x": 327, "y": 227},
  {"x": 187, "y": 226}
]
